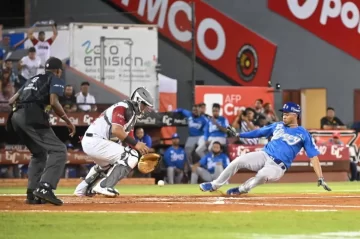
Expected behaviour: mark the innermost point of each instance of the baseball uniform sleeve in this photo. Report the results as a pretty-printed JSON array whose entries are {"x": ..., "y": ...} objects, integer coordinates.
[
  {"x": 186, "y": 113},
  {"x": 167, "y": 157},
  {"x": 148, "y": 141},
  {"x": 258, "y": 133},
  {"x": 206, "y": 131},
  {"x": 50, "y": 41},
  {"x": 203, "y": 161},
  {"x": 118, "y": 116},
  {"x": 57, "y": 86},
  {"x": 34, "y": 41},
  {"x": 310, "y": 147}
]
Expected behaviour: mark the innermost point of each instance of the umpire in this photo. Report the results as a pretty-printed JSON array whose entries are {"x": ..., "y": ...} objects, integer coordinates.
[{"x": 30, "y": 122}]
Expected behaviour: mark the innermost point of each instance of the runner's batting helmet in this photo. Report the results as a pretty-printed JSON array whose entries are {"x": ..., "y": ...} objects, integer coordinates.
[{"x": 291, "y": 107}]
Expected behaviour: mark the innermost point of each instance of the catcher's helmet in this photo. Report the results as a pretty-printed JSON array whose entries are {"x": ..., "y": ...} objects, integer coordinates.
[
  {"x": 291, "y": 107},
  {"x": 142, "y": 95}
]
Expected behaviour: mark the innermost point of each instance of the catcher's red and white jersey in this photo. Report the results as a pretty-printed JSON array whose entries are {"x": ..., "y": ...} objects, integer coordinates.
[{"x": 120, "y": 113}]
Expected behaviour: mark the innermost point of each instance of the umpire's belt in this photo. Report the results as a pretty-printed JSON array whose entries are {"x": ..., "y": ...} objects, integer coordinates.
[
  {"x": 27, "y": 105},
  {"x": 279, "y": 162}
]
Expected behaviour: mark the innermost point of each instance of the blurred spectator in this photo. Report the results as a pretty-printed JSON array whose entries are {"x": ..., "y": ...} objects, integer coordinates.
[
  {"x": 29, "y": 65},
  {"x": 248, "y": 125},
  {"x": 145, "y": 138},
  {"x": 68, "y": 101},
  {"x": 215, "y": 130},
  {"x": 335, "y": 139},
  {"x": 174, "y": 159},
  {"x": 202, "y": 108},
  {"x": 196, "y": 125},
  {"x": 7, "y": 90},
  {"x": 6, "y": 47},
  {"x": 330, "y": 121},
  {"x": 237, "y": 121},
  {"x": 262, "y": 121},
  {"x": 8, "y": 66},
  {"x": 85, "y": 97},
  {"x": 259, "y": 106},
  {"x": 41, "y": 45},
  {"x": 269, "y": 113},
  {"x": 211, "y": 165}
]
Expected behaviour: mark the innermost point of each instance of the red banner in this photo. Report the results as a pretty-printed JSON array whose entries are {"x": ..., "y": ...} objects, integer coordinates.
[
  {"x": 229, "y": 47},
  {"x": 335, "y": 21},
  {"x": 23, "y": 157},
  {"x": 18, "y": 154},
  {"x": 232, "y": 98},
  {"x": 78, "y": 119},
  {"x": 327, "y": 152}
]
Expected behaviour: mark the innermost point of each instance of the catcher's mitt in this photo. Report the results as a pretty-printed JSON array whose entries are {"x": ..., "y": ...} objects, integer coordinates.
[{"x": 148, "y": 162}]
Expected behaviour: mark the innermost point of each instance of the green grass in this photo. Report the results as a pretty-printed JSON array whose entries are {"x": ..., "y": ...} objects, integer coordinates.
[
  {"x": 272, "y": 188},
  {"x": 171, "y": 225},
  {"x": 254, "y": 225}
]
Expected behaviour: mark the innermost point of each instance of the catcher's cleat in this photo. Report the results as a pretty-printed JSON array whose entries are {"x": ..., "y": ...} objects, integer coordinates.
[
  {"x": 107, "y": 191},
  {"x": 206, "y": 187},
  {"x": 235, "y": 191}
]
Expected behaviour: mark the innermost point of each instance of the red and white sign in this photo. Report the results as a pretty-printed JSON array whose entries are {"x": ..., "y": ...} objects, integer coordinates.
[
  {"x": 327, "y": 152},
  {"x": 232, "y": 98},
  {"x": 335, "y": 21},
  {"x": 229, "y": 47}
]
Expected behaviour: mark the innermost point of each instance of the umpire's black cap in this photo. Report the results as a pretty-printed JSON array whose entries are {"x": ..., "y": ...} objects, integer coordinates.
[{"x": 53, "y": 63}]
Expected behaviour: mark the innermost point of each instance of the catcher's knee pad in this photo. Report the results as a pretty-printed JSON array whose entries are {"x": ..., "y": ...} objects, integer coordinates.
[
  {"x": 115, "y": 174},
  {"x": 130, "y": 158},
  {"x": 96, "y": 172}
]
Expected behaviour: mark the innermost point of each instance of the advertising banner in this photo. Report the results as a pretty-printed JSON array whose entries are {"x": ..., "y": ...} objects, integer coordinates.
[
  {"x": 128, "y": 49},
  {"x": 327, "y": 152},
  {"x": 335, "y": 21},
  {"x": 224, "y": 44},
  {"x": 19, "y": 154},
  {"x": 232, "y": 98}
]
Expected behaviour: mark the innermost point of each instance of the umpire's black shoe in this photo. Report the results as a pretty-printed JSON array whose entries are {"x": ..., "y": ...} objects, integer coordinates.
[
  {"x": 31, "y": 199},
  {"x": 46, "y": 193}
]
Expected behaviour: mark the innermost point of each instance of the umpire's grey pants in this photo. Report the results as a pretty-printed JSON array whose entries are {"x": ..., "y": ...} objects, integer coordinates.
[{"x": 49, "y": 154}]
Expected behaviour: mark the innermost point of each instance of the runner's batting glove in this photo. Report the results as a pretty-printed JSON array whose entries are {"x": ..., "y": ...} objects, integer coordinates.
[
  {"x": 322, "y": 183},
  {"x": 231, "y": 132}
]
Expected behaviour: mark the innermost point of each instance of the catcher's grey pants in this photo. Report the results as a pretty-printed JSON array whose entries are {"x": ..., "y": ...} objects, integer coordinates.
[
  {"x": 201, "y": 149},
  {"x": 260, "y": 162},
  {"x": 206, "y": 175},
  {"x": 173, "y": 173},
  {"x": 49, "y": 154},
  {"x": 190, "y": 144}
]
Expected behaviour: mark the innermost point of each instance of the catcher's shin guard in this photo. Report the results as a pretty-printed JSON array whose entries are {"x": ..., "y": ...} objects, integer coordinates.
[
  {"x": 115, "y": 174},
  {"x": 95, "y": 173}
]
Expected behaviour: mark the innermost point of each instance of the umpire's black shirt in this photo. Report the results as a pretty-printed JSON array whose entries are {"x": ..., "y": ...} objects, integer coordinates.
[
  {"x": 34, "y": 96},
  {"x": 38, "y": 89}
]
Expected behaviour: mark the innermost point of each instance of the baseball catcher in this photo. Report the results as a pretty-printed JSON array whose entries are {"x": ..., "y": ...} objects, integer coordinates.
[{"x": 109, "y": 141}]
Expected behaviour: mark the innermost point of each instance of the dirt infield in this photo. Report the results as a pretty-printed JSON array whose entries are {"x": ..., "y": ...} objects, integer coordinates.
[{"x": 212, "y": 203}]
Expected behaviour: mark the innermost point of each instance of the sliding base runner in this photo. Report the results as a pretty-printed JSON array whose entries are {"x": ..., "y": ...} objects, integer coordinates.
[{"x": 288, "y": 138}]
